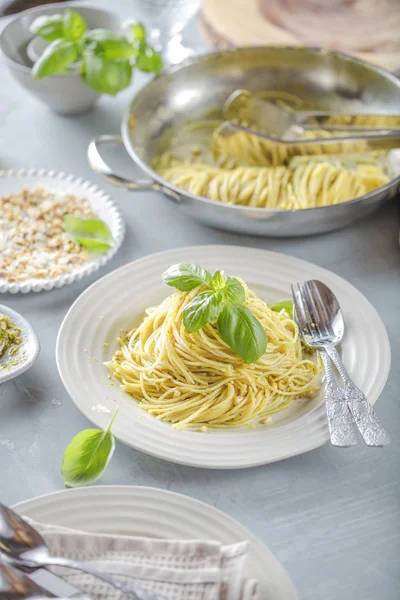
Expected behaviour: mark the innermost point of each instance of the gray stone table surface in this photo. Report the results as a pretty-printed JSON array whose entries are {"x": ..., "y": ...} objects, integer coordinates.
[{"x": 332, "y": 516}]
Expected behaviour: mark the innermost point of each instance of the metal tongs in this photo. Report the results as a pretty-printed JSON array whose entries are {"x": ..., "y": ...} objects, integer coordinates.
[{"x": 269, "y": 121}]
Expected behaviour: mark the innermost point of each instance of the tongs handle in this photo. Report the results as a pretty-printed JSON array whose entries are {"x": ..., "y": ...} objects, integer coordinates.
[
  {"x": 253, "y": 109},
  {"x": 390, "y": 138}
]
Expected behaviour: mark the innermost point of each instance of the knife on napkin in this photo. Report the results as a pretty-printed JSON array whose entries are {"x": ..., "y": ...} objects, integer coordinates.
[{"x": 56, "y": 585}]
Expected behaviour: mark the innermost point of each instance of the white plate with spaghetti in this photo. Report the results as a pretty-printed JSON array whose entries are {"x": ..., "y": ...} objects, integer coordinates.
[
  {"x": 154, "y": 513},
  {"x": 88, "y": 338},
  {"x": 32, "y": 204}
]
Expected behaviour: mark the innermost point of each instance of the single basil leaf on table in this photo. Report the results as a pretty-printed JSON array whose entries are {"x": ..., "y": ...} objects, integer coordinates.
[
  {"x": 203, "y": 309},
  {"x": 74, "y": 25},
  {"x": 104, "y": 75},
  {"x": 233, "y": 290},
  {"x": 87, "y": 456},
  {"x": 239, "y": 328},
  {"x": 93, "y": 234},
  {"x": 49, "y": 28},
  {"x": 186, "y": 277},
  {"x": 149, "y": 61},
  {"x": 55, "y": 59},
  {"x": 109, "y": 45},
  {"x": 286, "y": 305}
]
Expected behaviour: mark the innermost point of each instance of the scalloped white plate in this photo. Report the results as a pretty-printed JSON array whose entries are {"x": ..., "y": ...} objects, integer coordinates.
[
  {"x": 14, "y": 180},
  {"x": 117, "y": 300},
  {"x": 149, "y": 512}
]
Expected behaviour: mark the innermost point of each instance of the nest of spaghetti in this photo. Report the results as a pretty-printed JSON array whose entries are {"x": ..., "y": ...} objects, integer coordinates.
[{"x": 195, "y": 381}]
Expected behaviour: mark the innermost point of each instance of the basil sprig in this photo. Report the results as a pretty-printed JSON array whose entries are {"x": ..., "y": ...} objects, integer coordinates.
[
  {"x": 286, "y": 305},
  {"x": 107, "y": 59},
  {"x": 87, "y": 455},
  {"x": 220, "y": 303}
]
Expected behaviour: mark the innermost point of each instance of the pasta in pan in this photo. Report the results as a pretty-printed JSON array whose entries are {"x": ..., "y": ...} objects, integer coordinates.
[
  {"x": 249, "y": 170},
  {"x": 306, "y": 185}
]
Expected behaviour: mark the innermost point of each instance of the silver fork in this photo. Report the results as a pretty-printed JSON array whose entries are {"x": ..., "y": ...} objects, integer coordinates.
[
  {"x": 322, "y": 326},
  {"x": 340, "y": 421}
]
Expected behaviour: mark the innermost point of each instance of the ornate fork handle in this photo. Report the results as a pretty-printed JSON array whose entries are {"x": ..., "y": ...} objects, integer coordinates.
[
  {"x": 340, "y": 420},
  {"x": 363, "y": 413}
]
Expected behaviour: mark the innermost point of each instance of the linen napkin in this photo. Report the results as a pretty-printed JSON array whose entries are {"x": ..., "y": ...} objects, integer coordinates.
[{"x": 177, "y": 569}]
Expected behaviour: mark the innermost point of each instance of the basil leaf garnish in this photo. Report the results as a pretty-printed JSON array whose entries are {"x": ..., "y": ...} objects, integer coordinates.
[
  {"x": 87, "y": 456},
  {"x": 233, "y": 290},
  {"x": 221, "y": 303},
  {"x": 203, "y": 309},
  {"x": 218, "y": 281},
  {"x": 239, "y": 328},
  {"x": 186, "y": 277},
  {"x": 93, "y": 234},
  {"x": 286, "y": 305}
]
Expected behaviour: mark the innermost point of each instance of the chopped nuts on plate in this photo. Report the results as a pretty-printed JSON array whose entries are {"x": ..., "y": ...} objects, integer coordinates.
[
  {"x": 36, "y": 253},
  {"x": 33, "y": 242},
  {"x": 19, "y": 344}
]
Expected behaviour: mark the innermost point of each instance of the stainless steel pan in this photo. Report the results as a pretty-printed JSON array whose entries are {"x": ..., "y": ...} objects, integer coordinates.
[{"x": 196, "y": 91}]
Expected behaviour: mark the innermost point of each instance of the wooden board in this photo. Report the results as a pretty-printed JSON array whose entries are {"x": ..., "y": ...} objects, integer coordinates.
[{"x": 231, "y": 23}]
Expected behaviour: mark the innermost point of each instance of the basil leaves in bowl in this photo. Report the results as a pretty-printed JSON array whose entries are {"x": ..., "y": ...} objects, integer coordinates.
[{"x": 68, "y": 57}]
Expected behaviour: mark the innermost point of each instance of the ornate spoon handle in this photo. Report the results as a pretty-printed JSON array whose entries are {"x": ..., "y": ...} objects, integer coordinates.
[
  {"x": 340, "y": 420},
  {"x": 363, "y": 413}
]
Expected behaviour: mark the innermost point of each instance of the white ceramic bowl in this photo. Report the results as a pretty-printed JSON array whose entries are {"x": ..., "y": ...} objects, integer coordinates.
[
  {"x": 66, "y": 94},
  {"x": 17, "y": 179},
  {"x": 29, "y": 350}
]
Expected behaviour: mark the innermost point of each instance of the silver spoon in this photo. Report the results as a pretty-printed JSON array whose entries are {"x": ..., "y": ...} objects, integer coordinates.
[
  {"x": 340, "y": 420},
  {"x": 27, "y": 549},
  {"x": 16, "y": 585},
  {"x": 29, "y": 350},
  {"x": 322, "y": 311}
]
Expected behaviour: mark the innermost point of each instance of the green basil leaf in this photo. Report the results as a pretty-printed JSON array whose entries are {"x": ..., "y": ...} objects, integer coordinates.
[
  {"x": 55, "y": 59},
  {"x": 186, "y": 277},
  {"x": 94, "y": 246},
  {"x": 149, "y": 61},
  {"x": 104, "y": 75},
  {"x": 218, "y": 281},
  {"x": 203, "y": 309},
  {"x": 233, "y": 290},
  {"x": 138, "y": 32},
  {"x": 87, "y": 456},
  {"x": 93, "y": 234},
  {"x": 110, "y": 45},
  {"x": 74, "y": 25},
  {"x": 49, "y": 28},
  {"x": 239, "y": 328},
  {"x": 284, "y": 305}
]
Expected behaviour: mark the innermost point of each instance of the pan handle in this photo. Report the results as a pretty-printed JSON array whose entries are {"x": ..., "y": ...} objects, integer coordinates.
[{"x": 98, "y": 164}]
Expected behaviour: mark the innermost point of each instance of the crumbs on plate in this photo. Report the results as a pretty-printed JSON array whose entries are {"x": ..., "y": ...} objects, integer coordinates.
[{"x": 33, "y": 243}]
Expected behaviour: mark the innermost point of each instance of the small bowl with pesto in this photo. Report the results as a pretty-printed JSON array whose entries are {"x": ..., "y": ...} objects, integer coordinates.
[{"x": 19, "y": 344}]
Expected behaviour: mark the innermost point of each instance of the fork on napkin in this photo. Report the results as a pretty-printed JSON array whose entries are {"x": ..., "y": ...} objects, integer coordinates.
[{"x": 177, "y": 569}]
